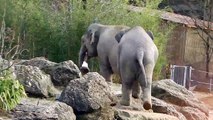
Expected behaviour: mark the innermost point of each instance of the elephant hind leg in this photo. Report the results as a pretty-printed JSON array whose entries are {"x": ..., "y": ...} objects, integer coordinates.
[
  {"x": 146, "y": 86},
  {"x": 145, "y": 80},
  {"x": 127, "y": 83},
  {"x": 126, "y": 94},
  {"x": 136, "y": 90}
]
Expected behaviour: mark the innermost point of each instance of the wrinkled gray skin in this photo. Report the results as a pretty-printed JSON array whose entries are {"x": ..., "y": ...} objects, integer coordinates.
[
  {"x": 137, "y": 56},
  {"x": 99, "y": 41}
]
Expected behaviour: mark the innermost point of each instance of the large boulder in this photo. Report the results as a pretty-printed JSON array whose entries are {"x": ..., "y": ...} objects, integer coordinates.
[
  {"x": 40, "y": 109},
  {"x": 136, "y": 112},
  {"x": 4, "y": 115},
  {"x": 4, "y": 64},
  {"x": 87, "y": 94},
  {"x": 105, "y": 113},
  {"x": 193, "y": 113},
  {"x": 160, "y": 106},
  {"x": 170, "y": 92},
  {"x": 35, "y": 82},
  {"x": 121, "y": 114},
  {"x": 39, "y": 62},
  {"x": 63, "y": 72}
]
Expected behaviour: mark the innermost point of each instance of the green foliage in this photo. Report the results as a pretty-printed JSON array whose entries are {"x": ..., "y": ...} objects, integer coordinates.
[
  {"x": 53, "y": 28},
  {"x": 11, "y": 92}
]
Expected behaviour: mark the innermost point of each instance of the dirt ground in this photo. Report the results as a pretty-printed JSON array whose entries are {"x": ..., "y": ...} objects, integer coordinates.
[{"x": 207, "y": 98}]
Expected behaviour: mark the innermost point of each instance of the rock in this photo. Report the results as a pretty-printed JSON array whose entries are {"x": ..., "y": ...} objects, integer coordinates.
[
  {"x": 5, "y": 118},
  {"x": 40, "y": 109},
  {"x": 40, "y": 62},
  {"x": 35, "y": 82},
  {"x": 105, "y": 113},
  {"x": 116, "y": 89},
  {"x": 193, "y": 113},
  {"x": 87, "y": 94},
  {"x": 160, "y": 106},
  {"x": 135, "y": 111},
  {"x": 4, "y": 64},
  {"x": 138, "y": 115},
  {"x": 5, "y": 115},
  {"x": 63, "y": 72},
  {"x": 173, "y": 93},
  {"x": 189, "y": 8}
]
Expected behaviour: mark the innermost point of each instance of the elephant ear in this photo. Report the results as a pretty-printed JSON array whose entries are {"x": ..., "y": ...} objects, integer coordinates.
[
  {"x": 94, "y": 37},
  {"x": 120, "y": 34},
  {"x": 150, "y": 34}
]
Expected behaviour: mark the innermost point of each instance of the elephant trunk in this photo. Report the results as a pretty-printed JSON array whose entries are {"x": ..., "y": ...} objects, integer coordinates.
[{"x": 83, "y": 57}]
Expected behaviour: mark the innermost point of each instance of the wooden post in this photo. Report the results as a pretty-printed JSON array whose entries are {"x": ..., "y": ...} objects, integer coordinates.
[{"x": 210, "y": 86}]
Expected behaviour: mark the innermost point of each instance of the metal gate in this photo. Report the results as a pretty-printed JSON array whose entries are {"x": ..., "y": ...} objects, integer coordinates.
[{"x": 181, "y": 75}]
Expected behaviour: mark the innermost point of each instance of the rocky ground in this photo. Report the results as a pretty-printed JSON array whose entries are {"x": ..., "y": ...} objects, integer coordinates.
[
  {"x": 207, "y": 98},
  {"x": 58, "y": 91}
]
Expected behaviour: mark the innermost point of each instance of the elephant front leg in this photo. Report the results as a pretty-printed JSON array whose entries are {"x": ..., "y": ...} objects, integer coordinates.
[
  {"x": 136, "y": 90},
  {"x": 106, "y": 72},
  {"x": 126, "y": 94}
]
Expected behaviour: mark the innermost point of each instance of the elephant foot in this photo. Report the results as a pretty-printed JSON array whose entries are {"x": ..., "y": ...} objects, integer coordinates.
[
  {"x": 147, "y": 105},
  {"x": 125, "y": 102}
]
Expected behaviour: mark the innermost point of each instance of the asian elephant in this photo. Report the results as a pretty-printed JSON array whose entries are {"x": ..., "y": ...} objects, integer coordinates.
[
  {"x": 99, "y": 41},
  {"x": 137, "y": 56}
]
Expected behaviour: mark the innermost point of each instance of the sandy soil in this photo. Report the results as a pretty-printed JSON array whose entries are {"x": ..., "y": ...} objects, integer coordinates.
[{"x": 207, "y": 98}]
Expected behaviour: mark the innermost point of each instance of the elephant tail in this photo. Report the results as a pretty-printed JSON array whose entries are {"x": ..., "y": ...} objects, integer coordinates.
[{"x": 142, "y": 75}]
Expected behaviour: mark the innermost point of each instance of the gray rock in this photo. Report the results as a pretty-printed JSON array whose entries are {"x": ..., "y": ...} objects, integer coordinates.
[
  {"x": 35, "y": 82},
  {"x": 87, "y": 94},
  {"x": 63, "y": 72},
  {"x": 131, "y": 112},
  {"x": 138, "y": 115},
  {"x": 173, "y": 93},
  {"x": 40, "y": 109},
  {"x": 5, "y": 115},
  {"x": 160, "y": 106},
  {"x": 193, "y": 113},
  {"x": 105, "y": 113},
  {"x": 193, "y": 8},
  {"x": 40, "y": 62},
  {"x": 6, "y": 66}
]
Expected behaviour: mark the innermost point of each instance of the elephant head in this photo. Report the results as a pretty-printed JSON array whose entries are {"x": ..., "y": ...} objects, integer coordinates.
[{"x": 89, "y": 43}]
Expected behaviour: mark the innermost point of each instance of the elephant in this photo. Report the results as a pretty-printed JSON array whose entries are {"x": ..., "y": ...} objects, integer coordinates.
[
  {"x": 99, "y": 41},
  {"x": 136, "y": 59}
]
